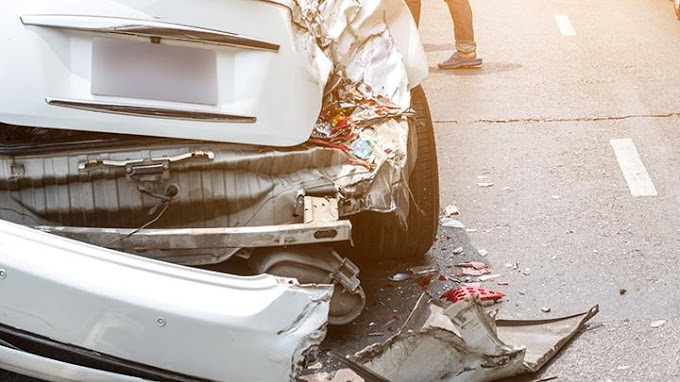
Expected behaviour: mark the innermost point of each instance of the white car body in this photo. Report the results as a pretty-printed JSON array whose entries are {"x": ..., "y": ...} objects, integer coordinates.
[
  {"x": 236, "y": 79},
  {"x": 262, "y": 96}
]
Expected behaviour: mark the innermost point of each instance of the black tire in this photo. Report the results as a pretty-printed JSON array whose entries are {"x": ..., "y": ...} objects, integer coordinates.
[{"x": 379, "y": 236}]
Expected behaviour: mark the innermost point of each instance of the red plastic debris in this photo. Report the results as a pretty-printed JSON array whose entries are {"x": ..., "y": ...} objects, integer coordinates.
[
  {"x": 424, "y": 281},
  {"x": 467, "y": 291},
  {"x": 472, "y": 264},
  {"x": 475, "y": 272}
]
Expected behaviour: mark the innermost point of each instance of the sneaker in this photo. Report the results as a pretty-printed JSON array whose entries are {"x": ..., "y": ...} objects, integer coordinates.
[{"x": 457, "y": 61}]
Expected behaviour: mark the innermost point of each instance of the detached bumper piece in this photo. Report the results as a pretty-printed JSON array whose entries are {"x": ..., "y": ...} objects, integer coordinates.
[
  {"x": 149, "y": 315},
  {"x": 462, "y": 342}
]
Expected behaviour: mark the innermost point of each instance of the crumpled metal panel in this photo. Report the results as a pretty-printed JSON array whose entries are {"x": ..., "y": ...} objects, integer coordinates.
[
  {"x": 370, "y": 53},
  {"x": 242, "y": 186},
  {"x": 462, "y": 342},
  {"x": 194, "y": 322},
  {"x": 330, "y": 32}
]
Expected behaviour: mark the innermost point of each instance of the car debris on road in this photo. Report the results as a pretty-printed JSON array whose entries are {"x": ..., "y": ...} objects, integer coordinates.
[{"x": 461, "y": 342}]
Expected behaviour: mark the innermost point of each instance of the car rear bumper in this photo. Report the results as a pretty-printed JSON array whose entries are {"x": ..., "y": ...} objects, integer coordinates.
[
  {"x": 188, "y": 321},
  {"x": 48, "y": 369}
]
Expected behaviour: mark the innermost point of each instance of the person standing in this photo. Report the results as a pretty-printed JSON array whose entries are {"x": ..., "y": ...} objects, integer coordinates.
[{"x": 465, "y": 55}]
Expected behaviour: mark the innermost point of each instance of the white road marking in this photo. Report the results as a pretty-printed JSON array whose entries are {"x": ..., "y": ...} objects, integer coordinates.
[
  {"x": 565, "y": 26},
  {"x": 639, "y": 182}
]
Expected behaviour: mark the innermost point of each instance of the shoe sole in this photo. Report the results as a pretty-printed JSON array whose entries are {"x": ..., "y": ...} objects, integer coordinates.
[{"x": 470, "y": 65}]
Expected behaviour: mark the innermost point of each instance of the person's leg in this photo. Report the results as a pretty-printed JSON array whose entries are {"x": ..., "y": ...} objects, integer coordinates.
[
  {"x": 463, "y": 31},
  {"x": 464, "y": 35},
  {"x": 414, "y": 6}
]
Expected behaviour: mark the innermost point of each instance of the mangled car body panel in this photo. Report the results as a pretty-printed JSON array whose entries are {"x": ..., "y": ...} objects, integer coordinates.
[{"x": 197, "y": 323}]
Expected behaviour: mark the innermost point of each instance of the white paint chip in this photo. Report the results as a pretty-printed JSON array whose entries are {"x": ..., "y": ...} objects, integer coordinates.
[
  {"x": 635, "y": 173},
  {"x": 565, "y": 26}
]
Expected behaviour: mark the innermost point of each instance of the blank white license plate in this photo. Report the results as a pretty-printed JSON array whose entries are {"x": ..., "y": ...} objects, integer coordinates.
[{"x": 136, "y": 69}]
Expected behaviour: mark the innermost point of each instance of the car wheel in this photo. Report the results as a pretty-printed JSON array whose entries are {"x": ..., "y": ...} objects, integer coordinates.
[{"x": 380, "y": 236}]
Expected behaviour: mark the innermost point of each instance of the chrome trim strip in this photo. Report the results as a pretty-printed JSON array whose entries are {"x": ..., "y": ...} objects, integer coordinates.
[
  {"x": 148, "y": 28},
  {"x": 150, "y": 112}
]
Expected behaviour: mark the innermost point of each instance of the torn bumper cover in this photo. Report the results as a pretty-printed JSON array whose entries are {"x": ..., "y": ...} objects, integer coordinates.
[
  {"x": 463, "y": 343},
  {"x": 157, "y": 320}
]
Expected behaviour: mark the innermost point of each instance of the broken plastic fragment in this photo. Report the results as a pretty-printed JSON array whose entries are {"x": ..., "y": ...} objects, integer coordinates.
[
  {"x": 485, "y": 184},
  {"x": 657, "y": 323},
  {"x": 451, "y": 210},
  {"x": 363, "y": 148},
  {"x": 424, "y": 270},
  {"x": 475, "y": 272},
  {"x": 452, "y": 223},
  {"x": 462, "y": 342},
  {"x": 472, "y": 264},
  {"x": 425, "y": 281},
  {"x": 489, "y": 277},
  {"x": 400, "y": 277},
  {"x": 468, "y": 291}
]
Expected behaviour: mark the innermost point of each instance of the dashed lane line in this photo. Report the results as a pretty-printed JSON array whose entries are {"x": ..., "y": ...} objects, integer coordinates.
[
  {"x": 565, "y": 26},
  {"x": 634, "y": 171}
]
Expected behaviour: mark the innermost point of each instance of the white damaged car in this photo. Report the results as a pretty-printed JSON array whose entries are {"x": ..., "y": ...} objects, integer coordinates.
[{"x": 184, "y": 186}]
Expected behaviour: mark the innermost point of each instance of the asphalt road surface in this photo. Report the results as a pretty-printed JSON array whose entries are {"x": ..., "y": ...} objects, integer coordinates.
[
  {"x": 538, "y": 120},
  {"x": 563, "y": 84}
]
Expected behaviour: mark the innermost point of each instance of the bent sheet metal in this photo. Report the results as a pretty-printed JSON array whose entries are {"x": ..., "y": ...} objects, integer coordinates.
[{"x": 462, "y": 342}]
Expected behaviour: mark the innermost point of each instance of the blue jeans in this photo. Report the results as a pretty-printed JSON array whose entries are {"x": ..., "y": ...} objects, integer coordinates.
[{"x": 461, "y": 14}]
